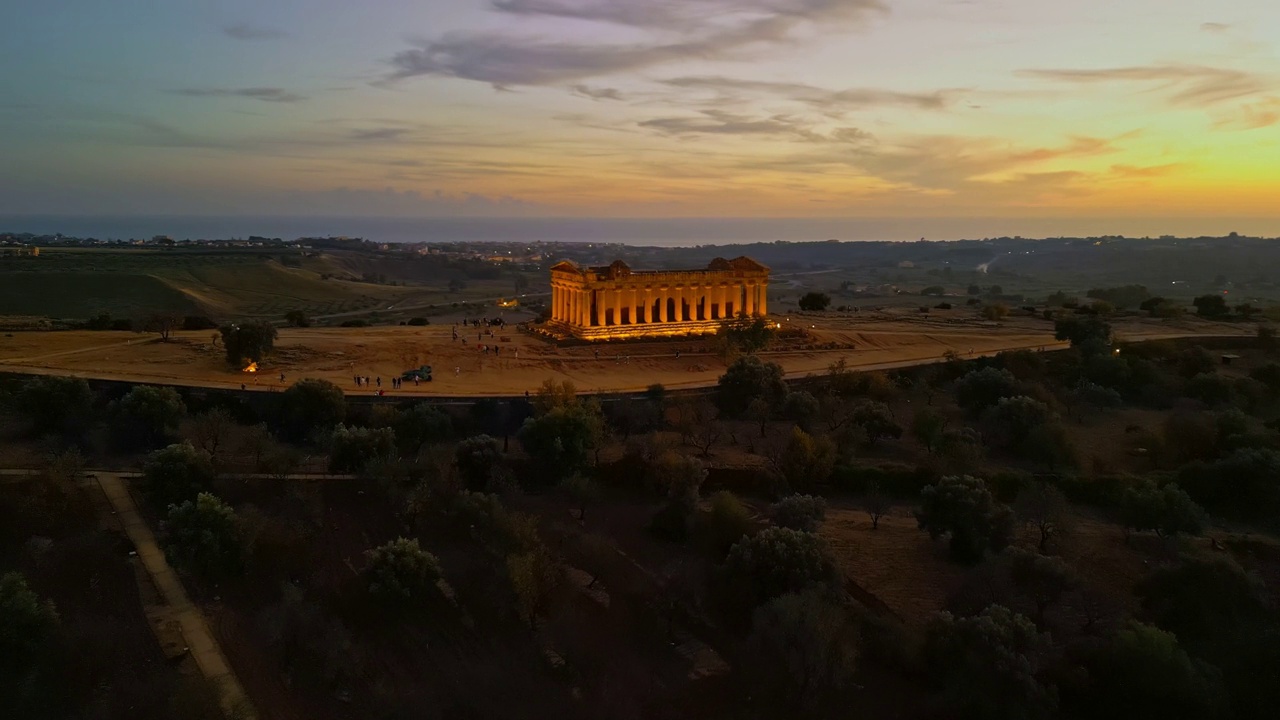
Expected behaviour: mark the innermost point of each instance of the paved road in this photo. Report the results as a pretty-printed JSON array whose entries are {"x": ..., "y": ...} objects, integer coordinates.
[{"x": 204, "y": 646}]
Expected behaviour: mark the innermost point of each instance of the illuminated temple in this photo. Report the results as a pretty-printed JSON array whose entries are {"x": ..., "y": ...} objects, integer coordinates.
[{"x": 603, "y": 303}]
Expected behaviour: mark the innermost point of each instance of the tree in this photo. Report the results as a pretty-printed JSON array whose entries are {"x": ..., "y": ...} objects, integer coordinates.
[
  {"x": 761, "y": 411},
  {"x": 56, "y": 405},
  {"x": 989, "y": 664},
  {"x": 534, "y": 577},
  {"x": 352, "y": 448},
  {"x": 202, "y": 538},
  {"x": 421, "y": 424},
  {"x": 934, "y": 290},
  {"x": 746, "y": 335},
  {"x": 1211, "y": 306},
  {"x": 210, "y": 430},
  {"x": 928, "y": 426},
  {"x": 28, "y": 628},
  {"x": 297, "y": 318},
  {"x": 1014, "y": 418},
  {"x": 147, "y": 416},
  {"x": 310, "y": 405},
  {"x": 1246, "y": 483},
  {"x": 176, "y": 474},
  {"x": 727, "y": 522},
  {"x": 552, "y": 395},
  {"x": 814, "y": 301},
  {"x": 562, "y": 440},
  {"x": 801, "y": 651},
  {"x": 1122, "y": 297},
  {"x": 799, "y": 407},
  {"x": 978, "y": 390},
  {"x": 962, "y": 507},
  {"x": 401, "y": 574},
  {"x": 876, "y": 420},
  {"x": 748, "y": 378},
  {"x": 1167, "y": 510},
  {"x": 1044, "y": 508},
  {"x": 1268, "y": 375},
  {"x": 806, "y": 460},
  {"x": 974, "y": 290},
  {"x": 1143, "y": 672},
  {"x": 1266, "y": 338},
  {"x": 163, "y": 324},
  {"x": 876, "y": 503},
  {"x": 995, "y": 311},
  {"x": 1204, "y": 600},
  {"x": 777, "y": 561},
  {"x": 250, "y": 342},
  {"x": 799, "y": 512},
  {"x": 1044, "y": 580},
  {"x": 582, "y": 490},
  {"x": 477, "y": 457},
  {"x": 1082, "y": 330}
]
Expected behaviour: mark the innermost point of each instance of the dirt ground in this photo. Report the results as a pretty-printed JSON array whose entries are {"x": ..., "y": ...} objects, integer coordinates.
[{"x": 868, "y": 340}]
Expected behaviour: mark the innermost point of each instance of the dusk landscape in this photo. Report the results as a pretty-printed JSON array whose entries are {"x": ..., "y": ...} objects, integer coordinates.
[{"x": 644, "y": 359}]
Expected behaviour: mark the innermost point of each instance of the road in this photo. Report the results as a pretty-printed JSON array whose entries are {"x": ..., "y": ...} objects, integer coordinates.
[{"x": 203, "y": 645}]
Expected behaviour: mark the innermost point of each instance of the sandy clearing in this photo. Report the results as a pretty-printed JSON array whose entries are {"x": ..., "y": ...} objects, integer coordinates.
[{"x": 462, "y": 368}]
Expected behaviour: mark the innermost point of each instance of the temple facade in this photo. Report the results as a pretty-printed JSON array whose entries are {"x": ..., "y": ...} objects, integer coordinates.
[{"x": 603, "y": 303}]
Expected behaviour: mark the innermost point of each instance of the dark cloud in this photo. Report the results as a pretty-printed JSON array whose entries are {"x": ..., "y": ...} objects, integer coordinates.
[
  {"x": 719, "y": 122},
  {"x": 605, "y": 93},
  {"x": 681, "y": 14},
  {"x": 819, "y": 98},
  {"x": 245, "y": 31},
  {"x": 379, "y": 134},
  {"x": 1184, "y": 85},
  {"x": 267, "y": 94},
  {"x": 681, "y": 29}
]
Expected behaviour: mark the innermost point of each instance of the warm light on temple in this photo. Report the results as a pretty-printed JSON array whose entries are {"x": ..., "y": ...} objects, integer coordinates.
[{"x": 604, "y": 303}]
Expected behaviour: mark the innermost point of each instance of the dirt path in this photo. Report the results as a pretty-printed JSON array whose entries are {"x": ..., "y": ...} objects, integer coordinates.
[{"x": 195, "y": 630}]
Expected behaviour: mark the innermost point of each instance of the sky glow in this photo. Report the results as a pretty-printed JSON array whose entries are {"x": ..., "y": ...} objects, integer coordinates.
[{"x": 643, "y": 108}]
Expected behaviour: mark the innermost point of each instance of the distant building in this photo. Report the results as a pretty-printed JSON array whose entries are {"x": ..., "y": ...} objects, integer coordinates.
[{"x": 603, "y": 303}]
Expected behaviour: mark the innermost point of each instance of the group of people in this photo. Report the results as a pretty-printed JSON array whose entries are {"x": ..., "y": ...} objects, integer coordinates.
[{"x": 396, "y": 383}]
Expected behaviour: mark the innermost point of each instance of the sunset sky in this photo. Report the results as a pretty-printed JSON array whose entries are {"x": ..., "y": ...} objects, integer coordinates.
[{"x": 643, "y": 108}]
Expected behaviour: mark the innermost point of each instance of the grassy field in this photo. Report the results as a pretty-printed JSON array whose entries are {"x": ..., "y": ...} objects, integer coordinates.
[{"x": 76, "y": 283}]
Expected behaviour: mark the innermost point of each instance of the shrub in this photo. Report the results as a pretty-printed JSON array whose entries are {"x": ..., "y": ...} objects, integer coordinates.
[
  {"x": 176, "y": 474},
  {"x": 963, "y": 508},
  {"x": 400, "y": 573},
  {"x": 799, "y": 512},
  {"x": 202, "y": 538},
  {"x": 727, "y": 522},
  {"x": 777, "y": 561}
]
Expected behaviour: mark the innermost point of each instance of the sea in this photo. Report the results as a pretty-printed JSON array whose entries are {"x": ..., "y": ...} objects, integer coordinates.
[{"x": 656, "y": 232}]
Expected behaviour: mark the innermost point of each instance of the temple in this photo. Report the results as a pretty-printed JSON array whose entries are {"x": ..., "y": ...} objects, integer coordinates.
[{"x": 604, "y": 303}]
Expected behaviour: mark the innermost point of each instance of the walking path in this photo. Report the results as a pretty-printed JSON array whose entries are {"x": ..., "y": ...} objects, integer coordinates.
[{"x": 204, "y": 647}]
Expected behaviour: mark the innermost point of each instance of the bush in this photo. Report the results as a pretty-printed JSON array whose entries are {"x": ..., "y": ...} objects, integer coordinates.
[
  {"x": 748, "y": 378},
  {"x": 1143, "y": 672},
  {"x": 777, "y": 561},
  {"x": 477, "y": 457},
  {"x": 400, "y": 573},
  {"x": 56, "y": 405},
  {"x": 176, "y": 474},
  {"x": 352, "y": 448},
  {"x": 963, "y": 508},
  {"x": 147, "y": 416},
  {"x": 799, "y": 512},
  {"x": 989, "y": 664},
  {"x": 814, "y": 301},
  {"x": 727, "y": 522},
  {"x": 1167, "y": 510},
  {"x": 419, "y": 321},
  {"x": 202, "y": 538},
  {"x": 563, "y": 439},
  {"x": 801, "y": 652},
  {"x": 310, "y": 405},
  {"x": 980, "y": 389}
]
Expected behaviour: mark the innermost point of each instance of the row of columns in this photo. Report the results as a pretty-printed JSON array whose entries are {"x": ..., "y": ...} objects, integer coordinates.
[{"x": 599, "y": 307}]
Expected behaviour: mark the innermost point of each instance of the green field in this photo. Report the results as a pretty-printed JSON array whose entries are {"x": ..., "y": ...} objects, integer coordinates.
[{"x": 75, "y": 283}]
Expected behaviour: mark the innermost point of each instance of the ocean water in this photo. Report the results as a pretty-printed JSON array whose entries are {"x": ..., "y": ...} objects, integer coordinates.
[
  {"x": 657, "y": 232},
  {"x": 660, "y": 232}
]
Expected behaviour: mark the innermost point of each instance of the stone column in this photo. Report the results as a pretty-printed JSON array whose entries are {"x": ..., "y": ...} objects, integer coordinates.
[
  {"x": 573, "y": 307},
  {"x": 764, "y": 299},
  {"x": 618, "y": 305}
]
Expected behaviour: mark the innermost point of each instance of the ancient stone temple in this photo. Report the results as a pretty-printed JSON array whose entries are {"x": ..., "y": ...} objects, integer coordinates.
[{"x": 603, "y": 303}]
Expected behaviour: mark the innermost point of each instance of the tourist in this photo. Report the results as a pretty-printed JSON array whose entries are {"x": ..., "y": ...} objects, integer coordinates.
[
  {"x": 242, "y": 387},
  {"x": 415, "y": 381},
  {"x": 379, "y": 380},
  {"x": 281, "y": 377},
  {"x": 457, "y": 371}
]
